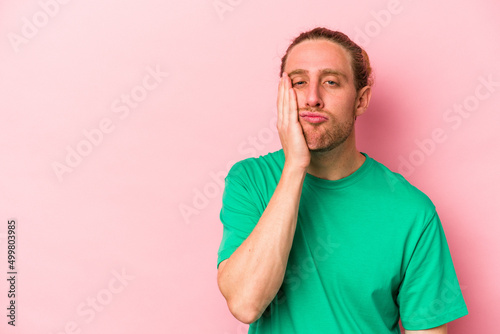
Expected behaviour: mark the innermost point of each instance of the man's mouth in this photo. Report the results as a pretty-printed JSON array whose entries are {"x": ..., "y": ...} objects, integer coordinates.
[{"x": 313, "y": 117}]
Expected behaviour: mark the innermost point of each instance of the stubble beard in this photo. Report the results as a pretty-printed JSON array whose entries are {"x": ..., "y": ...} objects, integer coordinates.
[{"x": 320, "y": 140}]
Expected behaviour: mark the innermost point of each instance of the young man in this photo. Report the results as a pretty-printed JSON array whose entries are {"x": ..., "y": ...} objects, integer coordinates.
[{"x": 320, "y": 238}]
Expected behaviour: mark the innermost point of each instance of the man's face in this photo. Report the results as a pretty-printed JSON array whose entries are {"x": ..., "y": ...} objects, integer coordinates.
[{"x": 323, "y": 80}]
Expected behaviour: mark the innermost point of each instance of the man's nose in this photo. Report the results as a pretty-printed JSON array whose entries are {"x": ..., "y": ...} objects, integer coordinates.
[{"x": 313, "y": 98}]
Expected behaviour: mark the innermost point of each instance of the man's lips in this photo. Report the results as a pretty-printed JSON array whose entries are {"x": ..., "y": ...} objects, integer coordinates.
[{"x": 313, "y": 117}]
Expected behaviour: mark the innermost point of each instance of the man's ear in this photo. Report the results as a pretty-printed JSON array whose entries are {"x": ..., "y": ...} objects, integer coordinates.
[{"x": 363, "y": 100}]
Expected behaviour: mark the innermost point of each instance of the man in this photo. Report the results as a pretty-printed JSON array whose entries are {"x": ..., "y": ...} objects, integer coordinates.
[{"x": 320, "y": 238}]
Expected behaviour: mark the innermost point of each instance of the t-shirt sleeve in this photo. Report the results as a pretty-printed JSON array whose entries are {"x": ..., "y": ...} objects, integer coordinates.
[
  {"x": 239, "y": 213},
  {"x": 429, "y": 294}
]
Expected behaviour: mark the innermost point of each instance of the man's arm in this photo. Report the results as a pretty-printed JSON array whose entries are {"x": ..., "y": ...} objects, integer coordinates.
[
  {"x": 252, "y": 276},
  {"x": 438, "y": 330}
]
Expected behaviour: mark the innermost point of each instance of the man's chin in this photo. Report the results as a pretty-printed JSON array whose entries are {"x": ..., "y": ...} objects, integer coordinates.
[
  {"x": 323, "y": 146},
  {"x": 318, "y": 148}
]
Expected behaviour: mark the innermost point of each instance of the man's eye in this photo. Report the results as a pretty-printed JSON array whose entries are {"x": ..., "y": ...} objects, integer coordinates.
[
  {"x": 331, "y": 82},
  {"x": 299, "y": 83}
]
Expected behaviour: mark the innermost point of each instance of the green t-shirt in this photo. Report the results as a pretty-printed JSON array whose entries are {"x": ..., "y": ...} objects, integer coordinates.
[{"x": 368, "y": 249}]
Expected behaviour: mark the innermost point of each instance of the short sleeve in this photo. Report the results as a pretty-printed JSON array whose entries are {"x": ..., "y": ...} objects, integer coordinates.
[
  {"x": 429, "y": 295},
  {"x": 239, "y": 213}
]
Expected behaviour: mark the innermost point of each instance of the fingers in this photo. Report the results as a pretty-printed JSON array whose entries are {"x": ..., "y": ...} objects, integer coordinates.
[
  {"x": 281, "y": 97},
  {"x": 294, "y": 114},
  {"x": 286, "y": 100}
]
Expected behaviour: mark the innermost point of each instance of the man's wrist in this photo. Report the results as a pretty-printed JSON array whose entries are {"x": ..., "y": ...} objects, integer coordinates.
[{"x": 294, "y": 171}]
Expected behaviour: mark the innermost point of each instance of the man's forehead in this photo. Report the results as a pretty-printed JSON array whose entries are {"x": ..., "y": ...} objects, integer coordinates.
[{"x": 318, "y": 55}]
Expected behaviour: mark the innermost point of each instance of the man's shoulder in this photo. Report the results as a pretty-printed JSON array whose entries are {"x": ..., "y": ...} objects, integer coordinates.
[
  {"x": 263, "y": 165},
  {"x": 397, "y": 185}
]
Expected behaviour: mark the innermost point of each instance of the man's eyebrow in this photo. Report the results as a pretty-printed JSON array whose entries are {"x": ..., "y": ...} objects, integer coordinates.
[
  {"x": 297, "y": 72},
  {"x": 334, "y": 72},
  {"x": 326, "y": 71}
]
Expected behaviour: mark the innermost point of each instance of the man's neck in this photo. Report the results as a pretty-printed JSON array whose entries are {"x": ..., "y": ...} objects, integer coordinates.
[{"x": 337, "y": 163}]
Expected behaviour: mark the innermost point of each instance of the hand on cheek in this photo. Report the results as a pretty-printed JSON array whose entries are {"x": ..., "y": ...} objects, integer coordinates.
[{"x": 289, "y": 129}]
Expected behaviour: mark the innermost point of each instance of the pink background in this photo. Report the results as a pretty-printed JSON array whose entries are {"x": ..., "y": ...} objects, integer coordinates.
[{"x": 142, "y": 202}]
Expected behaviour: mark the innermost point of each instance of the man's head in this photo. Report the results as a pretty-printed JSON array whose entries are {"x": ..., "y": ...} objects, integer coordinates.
[
  {"x": 331, "y": 76},
  {"x": 360, "y": 62}
]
